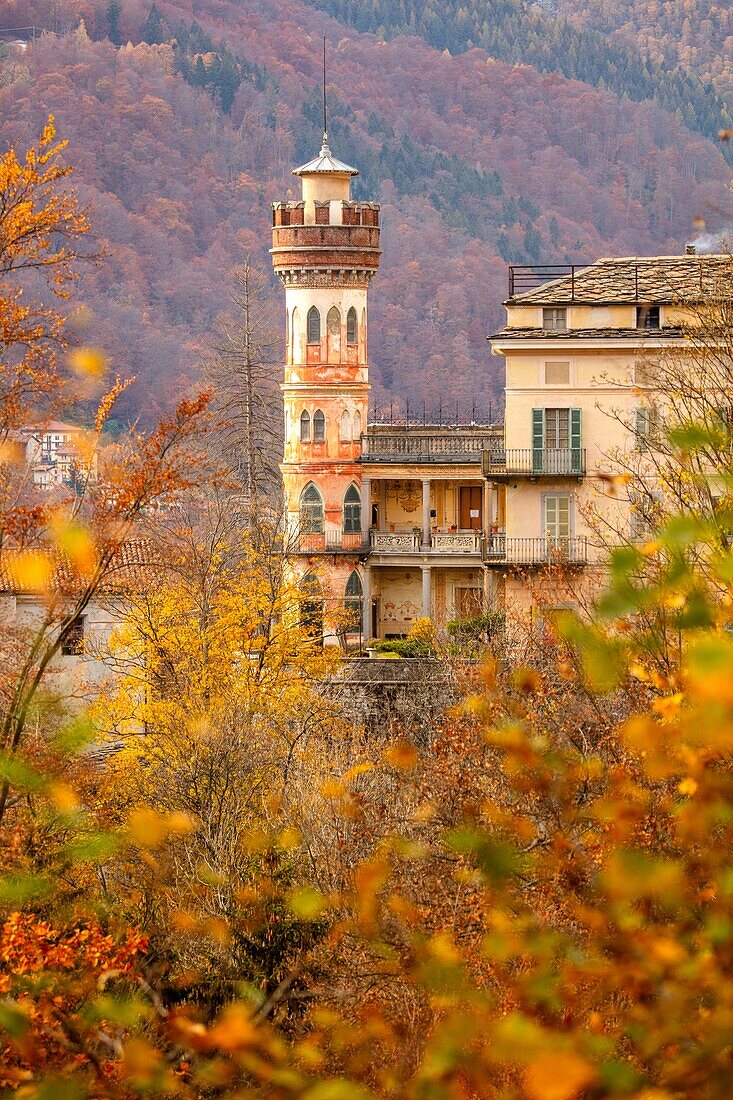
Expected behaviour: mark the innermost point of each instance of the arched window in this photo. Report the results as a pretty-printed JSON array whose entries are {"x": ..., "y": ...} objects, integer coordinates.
[
  {"x": 352, "y": 328},
  {"x": 352, "y": 510},
  {"x": 345, "y": 428},
  {"x": 295, "y": 335},
  {"x": 311, "y": 511},
  {"x": 333, "y": 322},
  {"x": 353, "y": 596},
  {"x": 305, "y": 427},
  {"x": 319, "y": 426},
  {"x": 314, "y": 326},
  {"x": 357, "y": 425},
  {"x": 311, "y": 606}
]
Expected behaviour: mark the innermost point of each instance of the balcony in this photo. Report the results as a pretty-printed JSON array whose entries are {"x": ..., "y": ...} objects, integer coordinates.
[
  {"x": 441, "y": 542},
  {"x": 329, "y": 542},
  {"x": 534, "y": 462},
  {"x": 550, "y": 550},
  {"x": 438, "y": 445}
]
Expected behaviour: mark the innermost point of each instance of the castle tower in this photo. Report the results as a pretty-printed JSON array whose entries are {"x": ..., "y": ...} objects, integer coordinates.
[{"x": 326, "y": 252}]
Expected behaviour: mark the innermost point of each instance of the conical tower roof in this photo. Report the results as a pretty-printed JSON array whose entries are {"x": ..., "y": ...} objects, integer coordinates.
[{"x": 325, "y": 164}]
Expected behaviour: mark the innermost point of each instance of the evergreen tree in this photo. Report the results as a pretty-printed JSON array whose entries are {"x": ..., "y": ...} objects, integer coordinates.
[
  {"x": 114, "y": 32},
  {"x": 153, "y": 30}
]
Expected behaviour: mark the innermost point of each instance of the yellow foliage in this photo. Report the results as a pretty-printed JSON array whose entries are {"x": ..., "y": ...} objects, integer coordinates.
[{"x": 557, "y": 1077}]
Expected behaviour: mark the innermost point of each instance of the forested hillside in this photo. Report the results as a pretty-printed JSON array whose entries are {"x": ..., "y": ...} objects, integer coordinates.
[
  {"x": 514, "y": 30},
  {"x": 696, "y": 35},
  {"x": 185, "y": 119}
]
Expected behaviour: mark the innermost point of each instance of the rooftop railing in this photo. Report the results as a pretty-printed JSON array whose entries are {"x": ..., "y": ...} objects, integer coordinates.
[{"x": 427, "y": 446}]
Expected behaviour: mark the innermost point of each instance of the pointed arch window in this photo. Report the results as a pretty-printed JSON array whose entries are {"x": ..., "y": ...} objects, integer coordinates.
[
  {"x": 352, "y": 510},
  {"x": 319, "y": 426},
  {"x": 314, "y": 326},
  {"x": 352, "y": 327},
  {"x": 311, "y": 511},
  {"x": 295, "y": 333},
  {"x": 345, "y": 427},
  {"x": 305, "y": 427},
  {"x": 353, "y": 596},
  {"x": 333, "y": 322},
  {"x": 311, "y": 606},
  {"x": 357, "y": 425}
]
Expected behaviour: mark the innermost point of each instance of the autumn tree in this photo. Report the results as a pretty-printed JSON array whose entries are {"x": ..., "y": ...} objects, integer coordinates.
[{"x": 242, "y": 371}]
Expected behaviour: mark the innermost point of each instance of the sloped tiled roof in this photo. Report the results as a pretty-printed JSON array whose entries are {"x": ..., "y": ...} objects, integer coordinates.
[
  {"x": 55, "y": 426},
  {"x": 588, "y": 334},
  {"x": 638, "y": 279},
  {"x": 135, "y": 564}
]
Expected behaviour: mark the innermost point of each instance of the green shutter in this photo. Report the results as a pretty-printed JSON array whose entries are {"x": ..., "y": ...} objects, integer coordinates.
[
  {"x": 538, "y": 440},
  {"x": 576, "y": 441}
]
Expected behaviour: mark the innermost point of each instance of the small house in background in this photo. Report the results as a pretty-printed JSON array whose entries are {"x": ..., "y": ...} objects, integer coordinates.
[{"x": 56, "y": 454}]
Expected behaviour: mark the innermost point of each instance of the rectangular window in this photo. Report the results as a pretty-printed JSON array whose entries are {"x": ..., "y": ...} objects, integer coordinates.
[
  {"x": 554, "y": 319},
  {"x": 73, "y": 643},
  {"x": 646, "y": 426},
  {"x": 645, "y": 512},
  {"x": 557, "y": 374},
  {"x": 557, "y": 429},
  {"x": 647, "y": 316},
  {"x": 557, "y": 516},
  {"x": 557, "y": 441}
]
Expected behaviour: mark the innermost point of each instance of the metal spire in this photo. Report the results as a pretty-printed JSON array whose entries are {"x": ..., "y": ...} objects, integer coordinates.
[{"x": 325, "y": 117}]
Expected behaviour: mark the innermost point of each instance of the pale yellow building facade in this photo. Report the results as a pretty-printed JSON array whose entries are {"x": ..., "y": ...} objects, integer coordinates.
[{"x": 579, "y": 347}]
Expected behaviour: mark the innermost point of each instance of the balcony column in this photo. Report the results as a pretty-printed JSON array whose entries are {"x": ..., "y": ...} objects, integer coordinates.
[
  {"x": 426, "y": 601},
  {"x": 366, "y": 509},
  {"x": 366, "y": 604},
  {"x": 382, "y": 506},
  {"x": 425, "y": 514}
]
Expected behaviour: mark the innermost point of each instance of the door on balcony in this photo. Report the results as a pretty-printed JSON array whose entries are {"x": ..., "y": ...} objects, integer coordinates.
[
  {"x": 557, "y": 521},
  {"x": 470, "y": 506},
  {"x": 556, "y": 441}
]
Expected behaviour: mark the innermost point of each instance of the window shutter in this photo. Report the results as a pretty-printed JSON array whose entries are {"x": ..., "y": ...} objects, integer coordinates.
[
  {"x": 538, "y": 439},
  {"x": 576, "y": 441},
  {"x": 563, "y": 517},
  {"x": 641, "y": 427}
]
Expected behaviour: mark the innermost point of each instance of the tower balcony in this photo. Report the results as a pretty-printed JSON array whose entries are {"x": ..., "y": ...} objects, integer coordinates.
[{"x": 328, "y": 542}]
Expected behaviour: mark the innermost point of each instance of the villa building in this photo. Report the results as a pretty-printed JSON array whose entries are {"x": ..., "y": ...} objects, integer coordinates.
[
  {"x": 396, "y": 522},
  {"x": 580, "y": 344}
]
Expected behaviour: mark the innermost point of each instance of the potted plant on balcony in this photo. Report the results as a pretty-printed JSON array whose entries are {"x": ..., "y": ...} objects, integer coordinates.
[{"x": 452, "y": 528}]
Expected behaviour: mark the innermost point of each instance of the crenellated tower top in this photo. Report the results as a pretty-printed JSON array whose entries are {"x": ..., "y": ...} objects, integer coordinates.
[{"x": 326, "y": 250}]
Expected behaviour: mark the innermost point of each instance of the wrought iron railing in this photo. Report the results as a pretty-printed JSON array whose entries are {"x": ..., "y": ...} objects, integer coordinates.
[
  {"x": 549, "y": 550},
  {"x": 427, "y": 446},
  {"x": 329, "y": 542},
  {"x": 536, "y": 462}
]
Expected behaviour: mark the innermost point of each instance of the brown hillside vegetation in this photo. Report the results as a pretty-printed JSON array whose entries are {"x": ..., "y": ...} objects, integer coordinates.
[
  {"x": 698, "y": 35},
  {"x": 475, "y": 162}
]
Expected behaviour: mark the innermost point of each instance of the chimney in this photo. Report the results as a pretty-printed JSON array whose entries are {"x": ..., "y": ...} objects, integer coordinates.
[{"x": 690, "y": 250}]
